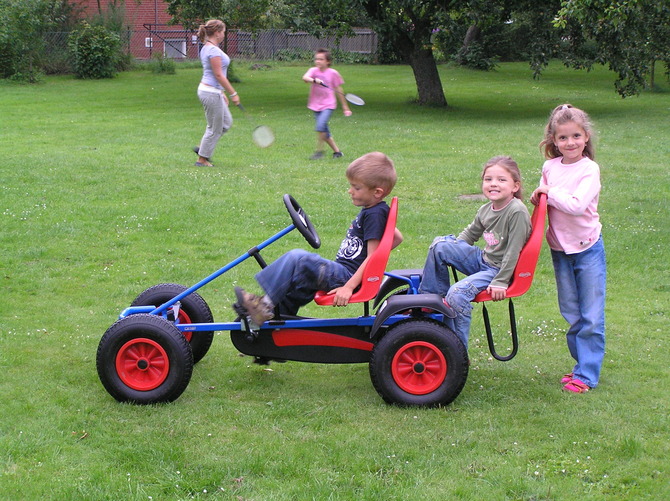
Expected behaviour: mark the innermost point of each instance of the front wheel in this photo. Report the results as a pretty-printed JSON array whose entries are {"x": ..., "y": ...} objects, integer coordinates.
[
  {"x": 419, "y": 363},
  {"x": 193, "y": 310},
  {"x": 144, "y": 359}
]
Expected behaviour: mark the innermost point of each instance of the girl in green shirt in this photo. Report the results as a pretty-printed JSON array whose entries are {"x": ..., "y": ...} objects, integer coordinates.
[{"x": 504, "y": 225}]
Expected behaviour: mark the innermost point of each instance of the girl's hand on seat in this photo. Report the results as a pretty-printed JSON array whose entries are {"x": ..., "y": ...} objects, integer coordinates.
[{"x": 497, "y": 293}]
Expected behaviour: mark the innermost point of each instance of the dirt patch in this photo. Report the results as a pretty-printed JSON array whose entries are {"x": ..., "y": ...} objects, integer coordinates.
[{"x": 474, "y": 196}]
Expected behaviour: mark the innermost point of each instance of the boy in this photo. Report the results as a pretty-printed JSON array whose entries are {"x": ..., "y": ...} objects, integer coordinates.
[{"x": 292, "y": 280}]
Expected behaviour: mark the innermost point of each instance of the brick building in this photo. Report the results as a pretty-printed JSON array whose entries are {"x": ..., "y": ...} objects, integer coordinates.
[
  {"x": 149, "y": 30},
  {"x": 150, "y": 34}
]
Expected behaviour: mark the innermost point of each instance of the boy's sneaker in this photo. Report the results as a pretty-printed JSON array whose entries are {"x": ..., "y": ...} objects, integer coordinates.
[
  {"x": 338, "y": 154},
  {"x": 317, "y": 155},
  {"x": 256, "y": 306}
]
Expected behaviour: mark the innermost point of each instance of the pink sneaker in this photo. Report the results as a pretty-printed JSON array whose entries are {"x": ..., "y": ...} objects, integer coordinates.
[
  {"x": 567, "y": 378},
  {"x": 576, "y": 386}
]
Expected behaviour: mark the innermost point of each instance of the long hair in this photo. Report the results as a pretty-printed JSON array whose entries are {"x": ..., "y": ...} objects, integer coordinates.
[
  {"x": 559, "y": 116},
  {"x": 210, "y": 28}
]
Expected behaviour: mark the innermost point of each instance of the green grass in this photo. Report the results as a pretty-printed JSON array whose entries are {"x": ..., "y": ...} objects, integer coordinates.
[{"x": 99, "y": 200}]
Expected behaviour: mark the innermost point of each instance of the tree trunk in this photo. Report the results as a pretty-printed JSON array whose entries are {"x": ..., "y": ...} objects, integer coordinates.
[
  {"x": 471, "y": 35},
  {"x": 428, "y": 81}
]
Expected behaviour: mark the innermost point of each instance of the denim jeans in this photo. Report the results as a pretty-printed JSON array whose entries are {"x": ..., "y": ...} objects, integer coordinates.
[
  {"x": 322, "y": 118},
  {"x": 292, "y": 280},
  {"x": 467, "y": 259},
  {"x": 580, "y": 281}
]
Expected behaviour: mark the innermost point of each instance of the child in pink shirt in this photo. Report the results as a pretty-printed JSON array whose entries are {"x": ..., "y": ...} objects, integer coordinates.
[
  {"x": 324, "y": 81},
  {"x": 571, "y": 180}
]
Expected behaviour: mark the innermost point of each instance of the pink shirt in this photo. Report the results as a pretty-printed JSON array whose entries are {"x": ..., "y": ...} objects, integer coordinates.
[
  {"x": 574, "y": 223},
  {"x": 322, "y": 98}
]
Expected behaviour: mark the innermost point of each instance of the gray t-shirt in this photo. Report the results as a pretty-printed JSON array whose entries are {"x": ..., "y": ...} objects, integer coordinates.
[{"x": 207, "y": 52}]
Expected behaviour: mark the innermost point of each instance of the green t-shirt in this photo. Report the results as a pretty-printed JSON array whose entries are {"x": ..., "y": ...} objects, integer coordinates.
[{"x": 505, "y": 232}]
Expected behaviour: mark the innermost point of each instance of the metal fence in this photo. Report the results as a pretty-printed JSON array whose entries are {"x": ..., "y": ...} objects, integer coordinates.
[
  {"x": 261, "y": 45},
  {"x": 177, "y": 44}
]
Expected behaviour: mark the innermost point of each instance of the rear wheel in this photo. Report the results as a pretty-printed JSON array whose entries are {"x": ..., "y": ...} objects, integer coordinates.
[
  {"x": 144, "y": 359},
  {"x": 419, "y": 363},
  {"x": 193, "y": 309}
]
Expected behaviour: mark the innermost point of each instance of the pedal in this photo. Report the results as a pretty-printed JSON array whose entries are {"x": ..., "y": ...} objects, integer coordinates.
[{"x": 249, "y": 327}]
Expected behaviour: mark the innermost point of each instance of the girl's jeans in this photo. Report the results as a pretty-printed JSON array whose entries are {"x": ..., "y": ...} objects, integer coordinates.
[
  {"x": 292, "y": 280},
  {"x": 322, "y": 118},
  {"x": 219, "y": 120},
  {"x": 467, "y": 259},
  {"x": 580, "y": 280}
]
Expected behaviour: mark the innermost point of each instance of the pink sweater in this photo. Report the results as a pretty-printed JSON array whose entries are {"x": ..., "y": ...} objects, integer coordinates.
[{"x": 574, "y": 223}]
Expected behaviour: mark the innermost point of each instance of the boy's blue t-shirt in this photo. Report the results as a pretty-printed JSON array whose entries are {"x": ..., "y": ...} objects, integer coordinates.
[{"x": 369, "y": 224}]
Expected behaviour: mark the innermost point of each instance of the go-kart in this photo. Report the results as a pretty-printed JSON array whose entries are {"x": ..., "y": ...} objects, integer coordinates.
[{"x": 147, "y": 355}]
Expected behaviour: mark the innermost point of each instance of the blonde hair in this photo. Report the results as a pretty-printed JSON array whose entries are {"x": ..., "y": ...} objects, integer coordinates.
[
  {"x": 510, "y": 166},
  {"x": 210, "y": 28},
  {"x": 561, "y": 115},
  {"x": 374, "y": 170}
]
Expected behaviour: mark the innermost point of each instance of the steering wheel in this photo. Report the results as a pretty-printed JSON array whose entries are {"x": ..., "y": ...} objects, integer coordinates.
[{"x": 301, "y": 221}]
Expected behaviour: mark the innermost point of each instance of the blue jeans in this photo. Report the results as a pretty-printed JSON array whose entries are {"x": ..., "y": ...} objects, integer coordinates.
[
  {"x": 467, "y": 259},
  {"x": 322, "y": 118},
  {"x": 292, "y": 280},
  {"x": 580, "y": 281}
]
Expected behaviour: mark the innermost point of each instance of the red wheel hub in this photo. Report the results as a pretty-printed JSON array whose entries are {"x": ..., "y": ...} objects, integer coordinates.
[
  {"x": 183, "y": 318},
  {"x": 419, "y": 368},
  {"x": 142, "y": 364}
]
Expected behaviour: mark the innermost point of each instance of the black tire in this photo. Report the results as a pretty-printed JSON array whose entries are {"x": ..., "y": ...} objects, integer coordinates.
[
  {"x": 144, "y": 359},
  {"x": 419, "y": 362},
  {"x": 194, "y": 309}
]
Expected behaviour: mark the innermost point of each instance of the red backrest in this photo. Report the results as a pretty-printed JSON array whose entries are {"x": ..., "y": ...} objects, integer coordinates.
[
  {"x": 374, "y": 268},
  {"x": 525, "y": 267}
]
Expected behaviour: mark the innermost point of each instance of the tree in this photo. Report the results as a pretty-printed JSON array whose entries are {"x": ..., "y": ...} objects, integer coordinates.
[
  {"x": 630, "y": 36},
  {"x": 22, "y": 27},
  {"x": 244, "y": 14},
  {"x": 406, "y": 25}
]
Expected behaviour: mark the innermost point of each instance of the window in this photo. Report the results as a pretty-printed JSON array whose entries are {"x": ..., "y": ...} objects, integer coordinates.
[{"x": 175, "y": 48}]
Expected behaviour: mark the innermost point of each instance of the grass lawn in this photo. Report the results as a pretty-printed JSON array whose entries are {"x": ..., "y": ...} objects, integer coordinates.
[{"x": 99, "y": 200}]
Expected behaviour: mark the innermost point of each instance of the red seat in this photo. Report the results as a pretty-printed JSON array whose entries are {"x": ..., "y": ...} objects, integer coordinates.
[
  {"x": 525, "y": 266},
  {"x": 374, "y": 268}
]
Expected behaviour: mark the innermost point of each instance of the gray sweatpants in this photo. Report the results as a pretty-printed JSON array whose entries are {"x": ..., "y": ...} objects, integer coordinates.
[{"x": 219, "y": 120}]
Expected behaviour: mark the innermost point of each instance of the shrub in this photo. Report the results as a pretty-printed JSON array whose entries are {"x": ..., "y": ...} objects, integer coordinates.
[
  {"x": 162, "y": 64},
  {"x": 473, "y": 57},
  {"x": 291, "y": 55},
  {"x": 95, "y": 51}
]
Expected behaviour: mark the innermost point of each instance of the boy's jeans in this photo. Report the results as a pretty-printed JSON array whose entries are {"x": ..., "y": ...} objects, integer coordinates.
[
  {"x": 292, "y": 280},
  {"x": 467, "y": 259},
  {"x": 580, "y": 281}
]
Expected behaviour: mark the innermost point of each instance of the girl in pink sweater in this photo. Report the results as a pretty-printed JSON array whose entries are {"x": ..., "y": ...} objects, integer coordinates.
[{"x": 571, "y": 180}]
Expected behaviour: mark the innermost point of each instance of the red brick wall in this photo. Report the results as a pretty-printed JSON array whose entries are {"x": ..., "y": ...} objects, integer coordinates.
[
  {"x": 152, "y": 12},
  {"x": 148, "y": 11}
]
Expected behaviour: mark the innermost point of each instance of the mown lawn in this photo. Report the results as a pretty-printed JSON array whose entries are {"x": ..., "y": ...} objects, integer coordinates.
[{"x": 100, "y": 199}]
